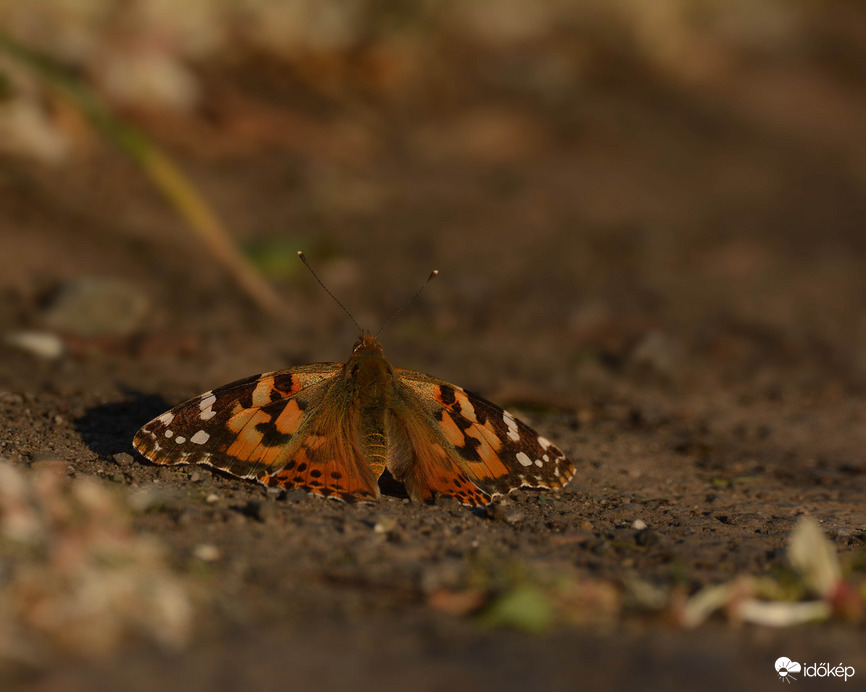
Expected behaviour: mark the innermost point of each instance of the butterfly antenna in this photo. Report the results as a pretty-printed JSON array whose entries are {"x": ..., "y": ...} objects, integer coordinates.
[
  {"x": 336, "y": 300},
  {"x": 411, "y": 300}
]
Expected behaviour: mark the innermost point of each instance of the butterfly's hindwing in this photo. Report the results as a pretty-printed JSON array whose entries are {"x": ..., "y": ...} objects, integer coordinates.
[
  {"x": 328, "y": 459},
  {"x": 497, "y": 451},
  {"x": 420, "y": 458}
]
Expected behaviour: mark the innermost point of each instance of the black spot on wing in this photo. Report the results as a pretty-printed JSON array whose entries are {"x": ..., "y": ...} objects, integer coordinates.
[
  {"x": 246, "y": 399},
  {"x": 480, "y": 411},
  {"x": 283, "y": 384},
  {"x": 271, "y": 437},
  {"x": 468, "y": 450},
  {"x": 447, "y": 394}
]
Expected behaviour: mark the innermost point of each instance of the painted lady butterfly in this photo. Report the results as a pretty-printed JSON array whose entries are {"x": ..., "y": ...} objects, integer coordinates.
[{"x": 332, "y": 429}]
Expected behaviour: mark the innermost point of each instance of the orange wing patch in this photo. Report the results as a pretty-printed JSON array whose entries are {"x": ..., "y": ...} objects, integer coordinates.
[
  {"x": 450, "y": 429},
  {"x": 326, "y": 463},
  {"x": 249, "y": 437},
  {"x": 289, "y": 421}
]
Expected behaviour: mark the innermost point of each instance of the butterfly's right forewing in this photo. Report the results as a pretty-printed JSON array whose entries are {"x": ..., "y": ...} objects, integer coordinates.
[{"x": 476, "y": 442}]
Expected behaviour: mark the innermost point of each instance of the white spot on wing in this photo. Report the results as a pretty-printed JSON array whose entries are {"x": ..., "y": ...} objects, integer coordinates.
[
  {"x": 544, "y": 442},
  {"x": 513, "y": 433},
  {"x": 169, "y": 433},
  {"x": 206, "y": 406},
  {"x": 166, "y": 418},
  {"x": 200, "y": 437},
  {"x": 180, "y": 439},
  {"x": 538, "y": 463},
  {"x": 523, "y": 459}
]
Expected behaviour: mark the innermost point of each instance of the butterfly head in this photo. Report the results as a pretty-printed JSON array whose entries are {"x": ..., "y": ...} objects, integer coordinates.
[{"x": 367, "y": 344}]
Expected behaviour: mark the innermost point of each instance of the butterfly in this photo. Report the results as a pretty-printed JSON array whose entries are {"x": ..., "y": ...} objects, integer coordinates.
[{"x": 332, "y": 429}]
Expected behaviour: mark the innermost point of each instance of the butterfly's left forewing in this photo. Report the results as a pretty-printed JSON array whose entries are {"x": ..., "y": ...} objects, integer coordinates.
[
  {"x": 242, "y": 427},
  {"x": 497, "y": 452},
  {"x": 289, "y": 428}
]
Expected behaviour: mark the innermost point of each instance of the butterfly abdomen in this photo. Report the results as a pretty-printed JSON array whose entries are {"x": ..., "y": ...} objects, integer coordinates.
[{"x": 374, "y": 441}]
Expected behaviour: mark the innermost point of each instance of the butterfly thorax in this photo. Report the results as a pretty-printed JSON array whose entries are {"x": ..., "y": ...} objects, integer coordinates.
[{"x": 370, "y": 375}]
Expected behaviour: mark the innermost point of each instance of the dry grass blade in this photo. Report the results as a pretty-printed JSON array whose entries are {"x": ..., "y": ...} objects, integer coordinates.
[
  {"x": 158, "y": 167},
  {"x": 201, "y": 218}
]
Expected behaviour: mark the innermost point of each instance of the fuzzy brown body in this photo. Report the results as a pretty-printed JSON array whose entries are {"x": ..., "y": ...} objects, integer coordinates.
[{"x": 333, "y": 429}]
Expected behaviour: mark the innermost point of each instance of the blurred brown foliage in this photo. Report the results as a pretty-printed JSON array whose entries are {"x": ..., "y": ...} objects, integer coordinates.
[{"x": 149, "y": 56}]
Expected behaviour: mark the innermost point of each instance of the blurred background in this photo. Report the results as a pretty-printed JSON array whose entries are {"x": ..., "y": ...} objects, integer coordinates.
[
  {"x": 599, "y": 182},
  {"x": 647, "y": 215}
]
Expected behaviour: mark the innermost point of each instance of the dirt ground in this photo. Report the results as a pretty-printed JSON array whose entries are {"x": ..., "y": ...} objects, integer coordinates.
[{"x": 667, "y": 280}]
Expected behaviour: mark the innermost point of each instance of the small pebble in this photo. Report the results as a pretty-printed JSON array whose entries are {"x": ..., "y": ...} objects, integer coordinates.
[
  {"x": 514, "y": 516},
  {"x": 123, "y": 459},
  {"x": 639, "y": 525},
  {"x": 385, "y": 524},
  {"x": 41, "y": 344},
  {"x": 206, "y": 552},
  {"x": 92, "y": 306}
]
